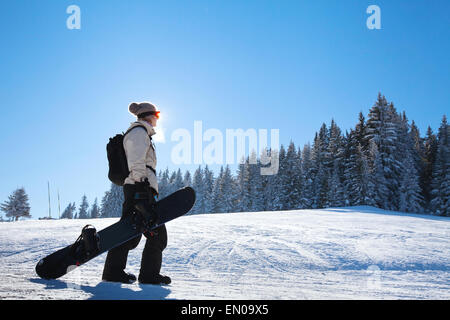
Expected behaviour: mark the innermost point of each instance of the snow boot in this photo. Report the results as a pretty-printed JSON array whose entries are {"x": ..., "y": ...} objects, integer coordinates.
[
  {"x": 158, "y": 280},
  {"x": 122, "y": 277}
]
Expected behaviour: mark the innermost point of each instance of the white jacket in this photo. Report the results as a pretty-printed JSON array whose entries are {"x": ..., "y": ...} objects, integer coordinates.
[{"x": 140, "y": 154}]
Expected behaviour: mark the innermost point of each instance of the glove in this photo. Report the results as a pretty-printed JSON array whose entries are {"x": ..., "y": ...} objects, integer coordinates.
[
  {"x": 144, "y": 187},
  {"x": 144, "y": 202}
]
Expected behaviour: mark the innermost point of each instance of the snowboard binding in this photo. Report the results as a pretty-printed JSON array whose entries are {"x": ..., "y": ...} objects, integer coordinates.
[
  {"x": 87, "y": 244},
  {"x": 144, "y": 219}
]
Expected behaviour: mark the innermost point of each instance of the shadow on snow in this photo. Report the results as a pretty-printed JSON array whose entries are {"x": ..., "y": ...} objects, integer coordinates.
[{"x": 110, "y": 290}]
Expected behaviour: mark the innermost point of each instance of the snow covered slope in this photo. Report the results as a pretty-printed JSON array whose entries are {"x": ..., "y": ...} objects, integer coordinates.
[{"x": 341, "y": 253}]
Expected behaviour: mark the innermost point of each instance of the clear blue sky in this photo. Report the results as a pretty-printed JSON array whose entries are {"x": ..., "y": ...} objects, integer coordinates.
[{"x": 288, "y": 65}]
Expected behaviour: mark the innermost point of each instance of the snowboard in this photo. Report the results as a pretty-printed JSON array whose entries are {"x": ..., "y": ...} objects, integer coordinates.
[{"x": 66, "y": 259}]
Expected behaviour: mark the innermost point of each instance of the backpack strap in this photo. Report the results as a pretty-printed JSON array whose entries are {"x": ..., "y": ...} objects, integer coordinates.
[
  {"x": 154, "y": 171},
  {"x": 138, "y": 126}
]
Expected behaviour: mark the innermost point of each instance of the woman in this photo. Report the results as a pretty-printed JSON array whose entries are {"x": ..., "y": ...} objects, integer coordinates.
[{"x": 142, "y": 184}]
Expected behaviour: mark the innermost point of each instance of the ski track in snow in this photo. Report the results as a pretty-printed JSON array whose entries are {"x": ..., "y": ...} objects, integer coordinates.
[{"x": 337, "y": 253}]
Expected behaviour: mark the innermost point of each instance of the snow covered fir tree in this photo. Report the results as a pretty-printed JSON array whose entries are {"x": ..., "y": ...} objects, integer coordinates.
[
  {"x": 83, "y": 212},
  {"x": 17, "y": 206},
  {"x": 69, "y": 211},
  {"x": 383, "y": 162},
  {"x": 111, "y": 204}
]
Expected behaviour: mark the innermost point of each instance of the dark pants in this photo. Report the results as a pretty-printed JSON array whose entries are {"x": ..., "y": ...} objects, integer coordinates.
[{"x": 151, "y": 261}]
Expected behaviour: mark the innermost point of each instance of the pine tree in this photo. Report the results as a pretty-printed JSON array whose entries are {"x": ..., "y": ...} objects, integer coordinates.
[
  {"x": 300, "y": 181},
  {"x": 367, "y": 186},
  {"x": 95, "y": 210},
  {"x": 382, "y": 128},
  {"x": 229, "y": 191},
  {"x": 350, "y": 168},
  {"x": 105, "y": 205},
  {"x": 410, "y": 197},
  {"x": 380, "y": 192},
  {"x": 198, "y": 185},
  {"x": 171, "y": 185},
  {"x": 307, "y": 169},
  {"x": 320, "y": 170},
  {"x": 268, "y": 184},
  {"x": 335, "y": 196},
  {"x": 255, "y": 184},
  {"x": 335, "y": 167},
  {"x": 292, "y": 179},
  {"x": 83, "y": 209},
  {"x": 187, "y": 180},
  {"x": 112, "y": 201},
  {"x": 321, "y": 185},
  {"x": 175, "y": 182},
  {"x": 17, "y": 205},
  {"x": 360, "y": 133},
  {"x": 69, "y": 211},
  {"x": 417, "y": 148},
  {"x": 218, "y": 204},
  {"x": 208, "y": 189},
  {"x": 279, "y": 181},
  {"x": 430, "y": 151},
  {"x": 403, "y": 147},
  {"x": 440, "y": 202},
  {"x": 244, "y": 186},
  {"x": 163, "y": 184},
  {"x": 335, "y": 148}
]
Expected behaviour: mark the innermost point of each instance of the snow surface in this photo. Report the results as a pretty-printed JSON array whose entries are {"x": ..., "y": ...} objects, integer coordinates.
[{"x": 337, "y": 253}]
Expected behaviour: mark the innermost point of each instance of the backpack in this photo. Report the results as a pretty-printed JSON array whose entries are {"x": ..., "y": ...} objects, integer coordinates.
[{"x": 117, "y": 158}]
